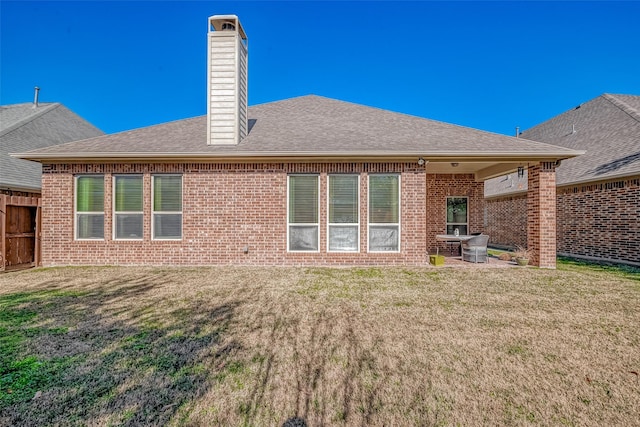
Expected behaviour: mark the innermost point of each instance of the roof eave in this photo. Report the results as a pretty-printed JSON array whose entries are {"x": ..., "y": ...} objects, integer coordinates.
[
  {"x": 299, "y": 156},
  {"x": 19, "y": 187}
]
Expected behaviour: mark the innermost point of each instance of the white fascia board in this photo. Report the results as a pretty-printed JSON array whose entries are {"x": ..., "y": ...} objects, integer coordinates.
[{"x": 378, "y": 155}]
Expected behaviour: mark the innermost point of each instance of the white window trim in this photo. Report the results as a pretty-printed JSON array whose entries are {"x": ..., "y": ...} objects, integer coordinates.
[
  {"x": 369, "y": 224},
  {"x": 115, "y": 213},
  {"x": 299, "y": 223},
  {"x": 357, "y": 224},
  {"x": 153, "y": 212},
  {"x": 76, "y": 213},
  {"x": 446, "y": 223}
]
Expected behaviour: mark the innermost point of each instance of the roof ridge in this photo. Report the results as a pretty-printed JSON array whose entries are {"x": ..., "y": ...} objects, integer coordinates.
[
  {"x": 622, "y": 106},
  {"x": 30, "y": 118}
]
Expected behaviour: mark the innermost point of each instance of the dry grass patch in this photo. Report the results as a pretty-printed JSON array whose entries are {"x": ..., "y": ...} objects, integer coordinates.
[{"x": 368, "y": 346}]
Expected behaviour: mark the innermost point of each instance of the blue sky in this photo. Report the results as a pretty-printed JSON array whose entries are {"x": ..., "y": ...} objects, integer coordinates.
[{"x": 487, "y": 65}]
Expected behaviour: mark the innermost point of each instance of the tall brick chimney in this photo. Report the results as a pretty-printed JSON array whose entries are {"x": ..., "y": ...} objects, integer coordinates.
[{"x": 226, "y": 81}]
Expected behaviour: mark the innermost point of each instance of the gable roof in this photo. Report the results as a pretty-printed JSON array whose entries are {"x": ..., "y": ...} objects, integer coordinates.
[
  {"x": 23, "y": 128},
  {"x": 606, "y": 128},
  {"x": 308, "y": 127}
]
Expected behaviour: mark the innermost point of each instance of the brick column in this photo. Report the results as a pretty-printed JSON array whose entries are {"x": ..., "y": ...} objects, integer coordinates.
[{"x": 541, "y": 214}]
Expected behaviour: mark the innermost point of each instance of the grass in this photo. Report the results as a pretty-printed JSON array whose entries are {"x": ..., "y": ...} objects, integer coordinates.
[{"x": 364, "y": 346}]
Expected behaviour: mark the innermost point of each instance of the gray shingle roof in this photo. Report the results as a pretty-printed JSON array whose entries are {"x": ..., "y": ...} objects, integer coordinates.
[
  {"x": 607, "y": 128},
  {"x": 307, "y": 126},
  {"x": 24, "y": 128}
]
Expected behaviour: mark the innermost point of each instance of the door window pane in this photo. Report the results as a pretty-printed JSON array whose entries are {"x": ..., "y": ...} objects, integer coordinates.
[{"x": 457, "y": 215}]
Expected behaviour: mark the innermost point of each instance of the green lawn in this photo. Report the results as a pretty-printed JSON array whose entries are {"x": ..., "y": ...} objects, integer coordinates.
[{"x": 362, "y": 346}]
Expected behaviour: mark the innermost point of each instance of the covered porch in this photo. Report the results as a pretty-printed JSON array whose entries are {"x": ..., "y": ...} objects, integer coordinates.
[{"x": 454, "y": 203}]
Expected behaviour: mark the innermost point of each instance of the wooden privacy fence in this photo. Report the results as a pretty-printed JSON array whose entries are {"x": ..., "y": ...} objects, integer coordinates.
[{"x": 19, "y": 232}]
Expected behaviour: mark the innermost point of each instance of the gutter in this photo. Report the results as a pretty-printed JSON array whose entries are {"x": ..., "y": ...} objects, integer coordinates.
[{"x": 301, "y": 156}]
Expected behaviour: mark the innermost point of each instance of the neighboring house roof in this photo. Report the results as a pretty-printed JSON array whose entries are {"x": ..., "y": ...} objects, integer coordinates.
[
  {"x": 24, "y": 127},
  {"x": 309, "y": 127},
  {"x": 607, "y": 128}
]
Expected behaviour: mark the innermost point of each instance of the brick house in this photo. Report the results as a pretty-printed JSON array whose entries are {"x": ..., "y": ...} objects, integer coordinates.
[
  {"x": 23, "y": 127},
  {"x": 598, "y": 193},
  {"x": 303, "y": 181}
]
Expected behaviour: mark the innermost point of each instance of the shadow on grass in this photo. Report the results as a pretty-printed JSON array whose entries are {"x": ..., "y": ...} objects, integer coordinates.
[
  {"x": 335, "y": 377},
  {"x": 115, "y": 355},
  {"x": 626, "y": 271}
]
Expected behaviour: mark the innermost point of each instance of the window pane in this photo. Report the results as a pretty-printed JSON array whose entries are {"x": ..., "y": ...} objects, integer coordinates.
[
  {"x": 383, "y": 238},
  {"x": 167, "y": 226},
  {"x": 343, "y": 199},
  {"x": 90, "y": 226},
  {"x": 383, "y": 199},
  {"x": 457, "y": 209},
  {"x": 303, "y": 238},
  {"x": 462, "y": 229},
  {"x": 167, "y": 193},
  {"x": 128, "y": 226},
  {"x": 90, "y": 193},
  {"x": 128, "y": 193},
  {"x": 303, "y": 199},
  {"x": 343, "y": 238}
]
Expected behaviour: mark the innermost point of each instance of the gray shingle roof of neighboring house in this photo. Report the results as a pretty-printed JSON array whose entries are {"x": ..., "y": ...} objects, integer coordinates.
[
  {"x": 308, "y": 126},
  {"x": 24, "y": 128},
  {"x": 607, "y": 128}
]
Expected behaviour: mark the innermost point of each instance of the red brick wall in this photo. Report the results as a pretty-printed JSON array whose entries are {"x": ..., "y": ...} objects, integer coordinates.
[
  {"x": 541, "y": 214},
  {"x": 597, "y": 220},
  {"x": 225, "y": 208},
  {"x": 441, "y": 186},
  {"x": 600, "y": 220},
  {"x": 506, "y": 220}
]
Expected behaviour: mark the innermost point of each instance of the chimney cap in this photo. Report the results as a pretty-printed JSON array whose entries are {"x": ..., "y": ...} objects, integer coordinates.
[{"x": 220, "y": 23}]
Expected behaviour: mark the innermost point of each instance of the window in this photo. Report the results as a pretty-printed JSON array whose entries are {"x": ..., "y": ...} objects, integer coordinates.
[
  {"x": 167, "y": 207},
  {"x": 302, "y": 212},
  {"x": 90, "y": 207},
  {"x": 344, "y": 212},
  {"x": 127, "y": 190},
  {"x": 457, "y": 215},
  {"x": 384, "y": 213}
]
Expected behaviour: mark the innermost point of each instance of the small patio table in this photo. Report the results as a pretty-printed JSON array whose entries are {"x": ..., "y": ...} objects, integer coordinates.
[{"x": 451, "y": 238}]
